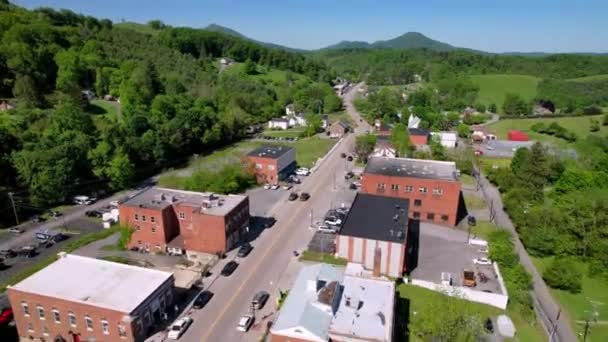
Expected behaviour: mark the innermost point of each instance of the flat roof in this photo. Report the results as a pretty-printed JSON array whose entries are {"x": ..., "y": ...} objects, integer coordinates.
[
  {"x": 203, "y": 202},
  {"x": 270, "y": 151},
  {"x": 366, "y": 309},
  {"x": 95, "y": 282},
  {"x": 416, "y": 168},
  {"x": 377, "y": 217}
]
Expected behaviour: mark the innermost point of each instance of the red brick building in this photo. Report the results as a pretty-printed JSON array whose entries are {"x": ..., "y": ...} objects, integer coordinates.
[
  {"x": 419, "y": 136},
  {"x": 85, "y": 299},
  {"x": 432, "y": 187},
  {"x": 272, "y": 164},
  {"x": 185, "y": 220}
]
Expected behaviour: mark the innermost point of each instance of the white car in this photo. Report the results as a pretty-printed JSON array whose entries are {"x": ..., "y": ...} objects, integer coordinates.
[
  {"x": 114, "y": 203},
  {"x": 245, "y": 323},
  {"x": 84, "y": 200},
  {"x": 483, "y": 250},
  {"x": 333, "y": 220},
  {"x": 267, "y": 186},
  {"x": 15, "y": 230},
  {"x": 482, "y": 261},
  {"x": 287, "y": 186},
  {"x": 178, "y": 328},
  {"x": 302, "y": 171},
  {"x": 274, "y": 186}
]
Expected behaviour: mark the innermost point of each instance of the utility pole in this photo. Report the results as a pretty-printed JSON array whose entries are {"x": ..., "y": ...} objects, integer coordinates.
[{"x": 10, "y": 195}]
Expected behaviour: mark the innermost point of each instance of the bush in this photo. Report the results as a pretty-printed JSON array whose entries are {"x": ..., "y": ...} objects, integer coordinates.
[
  {"x": 563, "y": 274},
  {"x": 539, "y": 127},
  {"x": 595, "y": 126},
  {"x": 501, "y": 249},
  {"x": 592, "y": 110}
]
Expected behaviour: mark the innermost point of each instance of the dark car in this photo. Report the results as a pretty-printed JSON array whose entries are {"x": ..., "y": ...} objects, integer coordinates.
[
  {"x": 352, "y": 186},
  {"x": 269, "y": 222},
  {"x": 8, "y": 253},
  {"x": 471, "y": 220},
  {"x": 259, "y": 300},
  {"x": 349, "y": 158},
  {"x": 293, "y": 196},
  {"x": 6, "y": 316},
  {"x": 489, "y": 326},
  {"x": 342, "y": 155},
  {"x": 349, "y": 175},
  {"x": 244, "y": 250},
  {"x": 229, "y": 268},
  {"x": 93, "y": 213},
  {"x": 37, "y": 218},
  {"x": 27, "y": 252},
  {"x": 304, "y": 196},
  {"x": 295, "y": 179},
  {"x": 202, "y": 299}
]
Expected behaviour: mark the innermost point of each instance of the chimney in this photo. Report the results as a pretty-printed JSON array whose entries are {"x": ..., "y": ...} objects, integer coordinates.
[{"x": 377, "y": 262}]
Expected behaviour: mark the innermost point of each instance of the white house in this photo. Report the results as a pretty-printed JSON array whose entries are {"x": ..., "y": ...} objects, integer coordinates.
[
  {"x": 447, "y": 139},
  {"x": 226, "y": 61},
  {"x": 279, "y": 123},
  {"x": 300, "y": 119},
  {"x": 290, "y": 109}
]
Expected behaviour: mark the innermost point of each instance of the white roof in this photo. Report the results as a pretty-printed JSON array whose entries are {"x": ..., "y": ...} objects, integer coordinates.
[
  {"x": 366, "y": 309},
  {"x": 446, "y": 136},
  {"x": 95, "y": 282}
]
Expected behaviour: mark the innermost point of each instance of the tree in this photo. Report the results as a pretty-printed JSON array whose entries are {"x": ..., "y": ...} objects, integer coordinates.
[
  {"x": 463, "y": 130},
  {"x": 121, "y": 171},
  {"x": 364, "y": 146},
  {"x": 514, "y": 104},
  {"x": 400, "y": 139},
  {"x": 563, "y": 274},
  {"x": 156, "y": 24},
  {"x": 313, "y": 125},
  {"x": 438, "y": 151},
  {"x": 594, "y": 125},
  {"x": 605, "y": 120},
  {"x": 249, "y": 67},
  {"x": 480, "y": 107},
  {"x": 331, "y": 103},
  {"x": 492, "y": 108}
]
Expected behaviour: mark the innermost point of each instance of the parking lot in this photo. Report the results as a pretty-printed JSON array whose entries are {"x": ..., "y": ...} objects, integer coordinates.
[{"x": 443, "y": 249}]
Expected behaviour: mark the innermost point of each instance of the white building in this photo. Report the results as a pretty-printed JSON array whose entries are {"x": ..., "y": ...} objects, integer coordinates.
[
  {"x": 279, "y": 123},
  {"x": 447, "y": 139},
  {"x": 290, "y": 109}
]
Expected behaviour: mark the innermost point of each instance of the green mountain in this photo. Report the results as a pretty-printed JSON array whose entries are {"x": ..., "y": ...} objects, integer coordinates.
[
  {"x": 231, "y": 32},
  {"x": 346, "y": 44},
  {"x": 409, "y": 40}
]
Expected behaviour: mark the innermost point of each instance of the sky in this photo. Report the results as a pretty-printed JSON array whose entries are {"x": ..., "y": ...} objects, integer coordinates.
[{"x": 488, "y": 25}]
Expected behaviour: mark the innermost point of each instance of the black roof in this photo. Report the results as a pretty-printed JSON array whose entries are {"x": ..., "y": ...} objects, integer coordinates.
[
  {"x": 270, "y": 151},
  {"x": 416, "y": 168},
  {"x": 378, "y": 218},
  {"x": 418, "y": 131}
]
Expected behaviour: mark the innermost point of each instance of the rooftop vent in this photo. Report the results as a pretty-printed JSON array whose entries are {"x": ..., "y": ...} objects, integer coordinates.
[
  {"x": 396, "y": 217},
  {"x": 400, "y": 234}
]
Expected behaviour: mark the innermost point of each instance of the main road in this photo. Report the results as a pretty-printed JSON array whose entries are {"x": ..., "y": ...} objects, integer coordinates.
[{"x": 273, "y": 251}]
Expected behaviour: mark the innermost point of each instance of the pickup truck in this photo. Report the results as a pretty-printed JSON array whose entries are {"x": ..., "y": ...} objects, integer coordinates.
[{"x": 468, "y": 278}]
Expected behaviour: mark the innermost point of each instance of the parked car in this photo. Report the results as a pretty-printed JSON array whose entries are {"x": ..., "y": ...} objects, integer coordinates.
[
  {"x": 26, "y": 252},
  {"x": 179, "y": 327},
  {"x": 7, "y": 253},
  {"x": 287, "y": 186},
  {"x": 489, "y": 326},
  {"x": 357, "y": 184},
  {"x": 471, "y": 220},
  {"x": 259, "y": 300},
  {"x": 6, "y": 317},
  {"x": 269, "y": 222},
  {"x": 202, "y": 299},
  {"x": 83, "y": 200},
  {"x": 304, "y": 197},
  {"x": 274, "y": 186},
  {"x": 37, "y": 218},
  {"x": 482, "y": 261},
  {"x": 352, "y": 186},
  {"x": 342, "y": 155},
  {"x": 303, "y": 171},
  {"x": 325, "y": 228},
  {"x": 54, "y": 214},
  {"x": 93, "y": 213},
  {"x": 349, "y": 158},
  {"x": 333, "y": 219},
  {"x": 293, "y": 196},
  {"x": 229, "y": 268},
  {"x": 244, "y": 250},
  {"x": 483, "y": 250},
  {"x": 342, "y": 210},
  {"x": 15, "y": 230},
  {"x": 245, "y": 323},
  {"x": 349, "y": 175},
  {"x": 294, "y": 179},
  {"x": 267, "y": 186}
]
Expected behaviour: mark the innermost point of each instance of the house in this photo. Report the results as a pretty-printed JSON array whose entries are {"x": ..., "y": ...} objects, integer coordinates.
[
  {"x": 300, "y": 119},
  {"x": 225, "y": 61},
  {"x": 4, "y": 106},
  {"x": 272, "y": 163},
  {"x": 419, "y": 136},
  {"x": 480, "y": 134},
  {"x": 201, "y": 222},
  {"x": 338, "y": 129},
  {"x": 327, "y": 304},
  {"x": 86, "y": 299},
  {"x": 432, "y": 187},
  {"x": 278, "y": 123},
  {"x": 384, "y": 148},
  {"x": 290, "y": 109},
  {"x": 516, "y": 135},
  {"x": 446, "y": 139},
  {"x": 417, "y": 78},
  {"x": 374, "y": 234}
]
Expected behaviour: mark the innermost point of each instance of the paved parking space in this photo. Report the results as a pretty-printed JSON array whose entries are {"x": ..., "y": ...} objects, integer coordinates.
[{"x": 449, "y": 252}]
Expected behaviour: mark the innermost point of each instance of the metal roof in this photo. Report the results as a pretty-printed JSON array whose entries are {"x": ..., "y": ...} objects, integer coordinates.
[
  {"x": 416, "y": 168},
  {"x": 270, "y": 151}
]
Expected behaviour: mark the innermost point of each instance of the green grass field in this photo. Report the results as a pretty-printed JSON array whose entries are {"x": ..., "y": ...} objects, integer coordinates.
[
  {"x": 579, "y": 125},
  {"x": 494, "y": 87},
  {"x": 483, "y": 229},
  {"x": 474, "y": 202},
  {"x": 467, "y": 180},
  {"x": 137, "y": 27},
  {"x": 577, "y": 305},
  {"x": 590, "y": 78},
  {"x": 288, "y": 133}
]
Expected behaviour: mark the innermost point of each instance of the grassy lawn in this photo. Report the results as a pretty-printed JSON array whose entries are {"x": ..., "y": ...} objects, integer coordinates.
[
  {"x": 474, "y": 202},
  {"x": 487, "y": 163},
  {"x": 72, "y": 245},
  {"x": 341, "y": 116},
  {"x": 579, "y": 125},
  {"x": 576, "y": 305},
  {"x": 419, "y": 298},
  {"x": 310, "y": 149},
  {"x": 288, "y": 133},
  {"x": 590, "y": 78},
  {"x": 322, "y": 257},
  {"x": 142, "y": 28},
  {"x": 467, "y": 179},
  {"x": 494, "y": 87},
  {"x": 483, "y": 229}
]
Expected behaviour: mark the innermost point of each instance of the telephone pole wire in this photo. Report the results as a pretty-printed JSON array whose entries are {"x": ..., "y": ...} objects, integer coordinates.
[{"x": 10, "y": 195}]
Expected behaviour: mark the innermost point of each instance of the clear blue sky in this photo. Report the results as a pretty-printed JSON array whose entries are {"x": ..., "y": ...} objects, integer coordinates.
[{"x": 490, "y": 25}]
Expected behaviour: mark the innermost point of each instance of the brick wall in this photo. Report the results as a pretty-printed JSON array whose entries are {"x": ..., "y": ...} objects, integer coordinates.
[
  {"x": 265, "y": 169},
  {"x": 155, "y": 227},
  {"x": 419, "y": 139},
  {"x": 438, "y": 208}
]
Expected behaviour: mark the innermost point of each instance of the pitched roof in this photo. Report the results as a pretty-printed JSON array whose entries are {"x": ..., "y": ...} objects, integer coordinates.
[
  {"x": 415, "y": 168},
  {"x": 378, "y": 218}
]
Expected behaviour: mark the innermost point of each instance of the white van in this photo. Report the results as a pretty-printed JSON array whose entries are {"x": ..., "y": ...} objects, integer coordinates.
[{"x": 83, "y": 200}]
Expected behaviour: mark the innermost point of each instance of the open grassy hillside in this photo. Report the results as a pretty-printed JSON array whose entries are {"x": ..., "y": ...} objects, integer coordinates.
[
  {"x": 143, "y": 28},
  {"x": 494, "y": 87}
]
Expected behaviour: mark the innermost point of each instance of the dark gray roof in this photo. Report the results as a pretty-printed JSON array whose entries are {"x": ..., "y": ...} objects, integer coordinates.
[
  {"x": 418, "y": 131},
  {"x": 270, "y": 151},
  {"x": 378, "y": 218},
  {"x": 417, "y": 168}
]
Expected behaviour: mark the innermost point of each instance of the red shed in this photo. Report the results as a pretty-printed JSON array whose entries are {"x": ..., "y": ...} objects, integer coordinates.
[{"x": 515, "y": 135}]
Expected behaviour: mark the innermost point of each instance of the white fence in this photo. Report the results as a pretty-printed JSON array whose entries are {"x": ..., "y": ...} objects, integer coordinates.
[{"x": 494, "y": 299}]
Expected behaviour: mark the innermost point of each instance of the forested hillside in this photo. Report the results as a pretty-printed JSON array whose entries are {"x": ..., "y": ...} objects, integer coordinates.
[{"x": 174, "y": 99}]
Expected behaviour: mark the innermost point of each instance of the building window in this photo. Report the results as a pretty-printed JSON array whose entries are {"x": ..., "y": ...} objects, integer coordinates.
[
  {"x": 26, "y": 309},
  {"x": 258, "y": 166},
  {"x": 395, "y": 187},
  {"x": 381, "y": 185},
  {"x": 137, "y": 228},
  {"x": 430, "y": 216},
  {"x": 423, "y": 189},
  {"x": 409, "y": 188},
  {"x": 88, "y": 322},
  {"x": 40, "y": 312},
  {"x": 182, "y": 216},
  {"x": 72, "y": 319},
  {"x": 417, "y": 203},
  {"x": 416, "y": 214},
  {"x": 56, "y": 316},
  {"x": 30, "y": 327},
  {"x": 153, "y": 230},
  {"x": 271, "y": 167},
  {"x": 437, "y": 191},
  {"x": 444, "y": 217},
  {"x": 143, "y": 218},
  {"x": 105, "y": 327},
  {"x": 152, "y": 219},
  {"x": 136, "y": 217},
  {"x": 122, "y": 332},
  {"x": 45, "y": 330}
]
